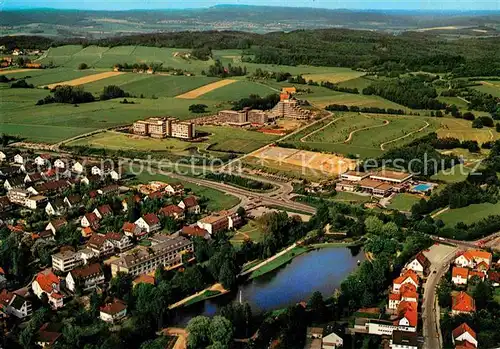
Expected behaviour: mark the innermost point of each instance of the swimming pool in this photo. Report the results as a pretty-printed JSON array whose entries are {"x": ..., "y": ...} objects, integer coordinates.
[{"x": 422, "y": 187}]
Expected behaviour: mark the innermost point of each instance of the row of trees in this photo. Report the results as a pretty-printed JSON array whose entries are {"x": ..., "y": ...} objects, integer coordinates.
[
  {"x": 218, "y": 70},
  {"x": 77, "y": 95},
  {"x": 372, "y": 110},
  {"x": 239, "y": 181}
]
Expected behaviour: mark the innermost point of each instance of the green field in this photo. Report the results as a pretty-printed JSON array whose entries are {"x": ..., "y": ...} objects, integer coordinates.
[
  {"x": 278, "y": 262},
  {"x": 238, "y": 90},
  {"x": 469, "y": 214},
  {"x": 355, "y": 99},
  {"x": 43, "y": 77},
  {"x": 55, "y": 122},
  {"x": 152, "y": 85},
  {"x": 249, "y": 231},
  {"x": 403, "y": 202},
  {"x": 457, "y": 173},
  {"x": 230, "y": 139},
  {"x": 489, "y": 87},
  {"x": 344, "y": 196}
]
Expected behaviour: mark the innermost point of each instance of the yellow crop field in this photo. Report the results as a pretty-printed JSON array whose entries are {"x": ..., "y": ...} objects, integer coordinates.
[
  {"x": 205, "y": 89},
  {"x": 342, "y": 75},
  {"x": 87, "y": 79},
  {"x": 12, "y": 71}
]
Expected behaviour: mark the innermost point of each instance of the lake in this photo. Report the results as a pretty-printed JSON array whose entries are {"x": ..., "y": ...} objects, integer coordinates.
[{"x": 319, "y": 270}]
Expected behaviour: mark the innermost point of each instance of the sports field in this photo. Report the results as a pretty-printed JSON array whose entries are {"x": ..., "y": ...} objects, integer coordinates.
[
  {"x": 327, "y": 164},
  {"x": 196, "y": 93}
]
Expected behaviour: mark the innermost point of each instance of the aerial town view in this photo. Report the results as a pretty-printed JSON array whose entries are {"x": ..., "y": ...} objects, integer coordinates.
[{"x": 248, "y": 174}]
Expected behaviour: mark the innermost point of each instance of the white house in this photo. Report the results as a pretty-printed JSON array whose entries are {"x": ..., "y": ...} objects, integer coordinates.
[
  {"x": 420, "y": 264},
  {"x": 15, "y": 303},
  {"x": 408, "y": 277},
  {"x": 78, "y": 167},
  {"x": 66, "y": 260},
  {"x": 42, "y": 160},
  {"x": 20, "y": 158},
  {"x": 119, "y": 241},
  {"x": 46, "y": 282},
  {"x": 332, "y": 341},
  {"x": 90, "y": 220},
  {"x": 55, "y": 225},
  {"x": 3, "y": 156},
  {"x": 470, "y": 259},
  {"x": 149, "y": 223},
  {"x": 55, "y": 208},
  {"x": 100, "y": 245},
  {"x": 190, "y": 205},
  {"x": 464, "y": 333},
  {"x": 459, "y": 275},
  {"x": 60, "y": 163},
  {"x": 114, "y": 311},
  {"x": 115, "y": 174},
  {"x": 87, "y": 277}
]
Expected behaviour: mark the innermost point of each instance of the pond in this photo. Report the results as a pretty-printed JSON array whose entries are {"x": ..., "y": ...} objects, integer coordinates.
[{"x": 319, "y": 270}]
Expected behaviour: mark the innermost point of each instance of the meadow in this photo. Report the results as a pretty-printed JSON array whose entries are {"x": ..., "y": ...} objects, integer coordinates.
[
  {"x": 489, "y": 87},
  {"x": 403, "y": 202},
  {"x": 230, "y": 139},
  {"x": 469, "y": 214}
]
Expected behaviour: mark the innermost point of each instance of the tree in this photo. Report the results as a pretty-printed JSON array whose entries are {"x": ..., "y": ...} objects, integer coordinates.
[
  {"x": 241, "y": 212},
  {"x": 477, "y": 123},
  {"x": 221, "y": 330},
  {"x": 227, "y": 276},
  {"x": 112, "y": 91},
  {"x": 317, "y": 306},
  {"x": 82, "y": 66},
  {"x": 198, "y": 332},
  {"x": 444, "y": 293},
  {"x": 198, "y": 108},
  {"x": 482, "y": 294}
]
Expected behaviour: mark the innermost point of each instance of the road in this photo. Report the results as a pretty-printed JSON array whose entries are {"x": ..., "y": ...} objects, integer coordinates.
[{"x": 430, "y": 310}]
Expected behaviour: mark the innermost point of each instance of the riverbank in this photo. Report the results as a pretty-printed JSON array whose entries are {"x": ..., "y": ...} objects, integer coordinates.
[
  {"x": 277, "y": 262},
  {"x": 210, "y": 292}
]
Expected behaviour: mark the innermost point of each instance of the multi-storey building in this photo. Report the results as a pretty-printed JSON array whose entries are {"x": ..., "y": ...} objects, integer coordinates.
[
  {"x": 142, "y": 260},
  {"x": 164, "y": 127},
  {"x": 66, "y": 260},
  {"x": 183, "y": 130}
]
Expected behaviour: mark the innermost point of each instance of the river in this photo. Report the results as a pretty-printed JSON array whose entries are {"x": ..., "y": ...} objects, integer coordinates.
[{"x": 319, "y": 270}]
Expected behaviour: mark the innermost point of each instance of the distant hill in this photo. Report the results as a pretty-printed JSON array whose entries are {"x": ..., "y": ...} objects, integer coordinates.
[{"x": 258, "y": 19}]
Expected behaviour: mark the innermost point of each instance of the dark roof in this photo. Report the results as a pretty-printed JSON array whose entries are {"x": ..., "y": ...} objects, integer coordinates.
[
  {"x": 105, "y": 210},
  {"x": 151, "y": 219},
  {"x": 87, "y": 271},
  {"x": 405, "y": 338},
  {"x": 110, "y": 188},
  {"x": 190, "y": 201},
  {"x": 17, "y": 302},
  {"x": 423, "y": 260},
  {"x": 74, "y": 199},
  {"x": 15, "y": 181},
  {"x": 114, "y": 308},
  {"x": 58, "y": 223},
  {"x": 97, "y": 240},
  {"x": 49, "y": 333}
]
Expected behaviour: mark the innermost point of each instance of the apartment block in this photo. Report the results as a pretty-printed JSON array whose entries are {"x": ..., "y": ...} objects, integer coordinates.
[{"x": 163, "y": 128}]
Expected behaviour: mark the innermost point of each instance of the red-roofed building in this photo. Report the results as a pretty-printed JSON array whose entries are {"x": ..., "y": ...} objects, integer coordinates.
[
  {"x": 194, "y": 230},
  {"x": 130, "y": 229},
  {"x": 99, "y": 244},
  {"x": 407, "y": 314},
  {"x": 462, "y": 303},
  {"x": 144, "y": 279},
  {"x": 87, "y": 232},
  {"x": 103, "y": 211},
  {"x": 113, "y": 311},
  {"x": 494, "y": 277},
  {"x": 464, "y": 333},
  {"x": 121, "y": 241},
  {"x": 173, "y": 211},
  {"x": 470, "y": 259},
  {"x": 420, "y": 264},
  {"x": 408, "y": 277},
  {"x": 48, "y": 335},
  {"x": 149, "y": 223},
  {"x": 190, "y": 205},
  {"x": 459, "y": 275},
  {"x": 90, "y": 220},
  {"x": 46, "y": 282}
]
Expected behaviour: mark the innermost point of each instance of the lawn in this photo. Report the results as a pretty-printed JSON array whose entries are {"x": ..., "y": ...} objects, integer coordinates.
[
  {"x": 230, "y": 139},
  {"x": 403, "y": 202},
  {"x": 351, "y": 197},
  {"x": 217, "y": 200},
  {"x": 458, "y": 173},
  {"x": 469, "y": 214},
  {"x": 249, "y": 231},
  {"x": 496, "y": 295},
  {"x": 204, "y": 296},
  {"x": 462, "y": 129},
  {"x": 278, "y": 262}
]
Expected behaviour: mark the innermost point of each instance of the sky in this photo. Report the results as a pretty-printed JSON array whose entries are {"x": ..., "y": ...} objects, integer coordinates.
[{"x": 464, "y": 5}]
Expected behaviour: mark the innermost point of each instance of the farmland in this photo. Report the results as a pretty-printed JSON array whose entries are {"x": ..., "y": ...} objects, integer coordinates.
[
  {"x": 469, "y": 214},
  {"x": 355, "y": 99},
  {"x": 335, "y": 77}
]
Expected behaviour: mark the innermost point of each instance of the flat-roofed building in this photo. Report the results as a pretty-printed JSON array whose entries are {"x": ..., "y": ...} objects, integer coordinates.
[
  {"x": 391, "y": 176},
  {"x": 256, "y": 116},
  {"x": 141, "y": 127},
  {"x": 354, "y": 176},
  {"x": 164, "y": 127},
  {"x": 65, "y": 261},
  {"x": 143, "y": 260},
  {"x": 183, "y": 130}
]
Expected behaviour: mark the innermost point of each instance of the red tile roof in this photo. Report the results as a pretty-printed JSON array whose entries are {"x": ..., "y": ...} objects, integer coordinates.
[
  {"x": 129, "y": 227},
  {"x": 394, "y": 296},
  {"x": 463, "y": 302},
  {"x": 407, "y": 310},
  {"x": 114, "y": 308},
  {"x": 464, "y": 345},
  {"x": 46, "y": 279},
  {"x": 92, "y": 218},
  {"x": 190, "y": 201},
  {"x": 170, "y": 210},
  {"x": 494, "y": 276},
  {"x": 408, "y": 274},
  {"x": 460, "y": 330},
  {"x": 408, "y": 291},
  {"x": 105, "y": 210},
  {"x": 194, "y": 230},
  {"x": 113, "y": 236},
  {"x": 151, "y": 219},
  {"x": 144, "y": 278},
  {"x": 458, "y": 271}
]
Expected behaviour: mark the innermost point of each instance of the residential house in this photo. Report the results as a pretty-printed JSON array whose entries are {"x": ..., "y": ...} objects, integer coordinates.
[
  {"x": 46, "y": 282},
  {"x": 404, "y": 340},
  {"x": 214, "y": 223},
  {"x": 100, "y": 245},
  {"x": 108, "y": 190},
  {"x": 78, "y": 167},
  {"x": 420, "y": 264},
  {"x": 120, "y": 241},
  {"x": 194, "y": 230},
  {"x": 48, "y": 335},
  {"x": 87, "y": 277},
  {"x": 103, "y": 211},
  {"x": 66, "y": 260},
  {"x": 332, "y": 341},
  {"x": 459, "y": 275},
  {"x": 33, "y": 178},
  {"x": 90, "y": 220},
  {"x": 149, "y": 223},
  {"x": 5, "y": 204},
  {"x": 87, "y": 255},
  {"x": 21, "y": 158},
  {"x": 55, "y": 207},
  {"x": 494, "y": 277},
  {"x": 90, "y": 179},
  {"x": 15, "y": 303},
  {"x": 43, "y": 160},
  {"x": 114, "y": 311},
  {"x": 470, "y": 259},
  {"x": 407, "y": 293},
  {"x": 46, "y": 235},
  {"x": 87, "y": 232},
  {"x": 62, "y": 163},
  {"x": 131, "y": 229},
  {"x": 190, "y": 204},
  {"x": 462, "y": 303},
  {"x": 174, "y": 189},
  {"x": 73, "y": 201},
  {"x": 407, "y": 314},
  {"x": 172, "y": 211},
  {"x": 3, "y": 156},
  {"x": 116, "y": 174},
  {"x": 464, "y": 333},
  {"x": 314, "y": 337},
  {"x": 36, "y": 201},
  {"x": 56, "y": 224},
  {"x": 16, "y": 182},
  {"x": 408, "y": 277}
]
